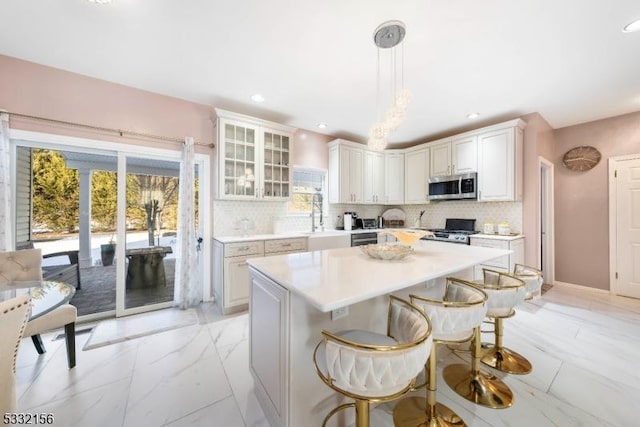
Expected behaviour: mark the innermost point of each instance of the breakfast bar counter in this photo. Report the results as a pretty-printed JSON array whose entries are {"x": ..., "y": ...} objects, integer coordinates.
[{"x": 294, "y": 296}]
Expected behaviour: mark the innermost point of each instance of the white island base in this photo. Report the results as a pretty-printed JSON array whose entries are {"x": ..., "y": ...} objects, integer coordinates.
[{"x": 291, "y": 300}]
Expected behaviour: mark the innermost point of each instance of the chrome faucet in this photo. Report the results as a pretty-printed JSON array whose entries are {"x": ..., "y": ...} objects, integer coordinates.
[{"x": 316, "y": 203}]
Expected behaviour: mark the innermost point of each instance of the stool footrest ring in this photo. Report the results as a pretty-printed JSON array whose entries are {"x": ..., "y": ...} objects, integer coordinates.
[{"x": 336, "y": 410}]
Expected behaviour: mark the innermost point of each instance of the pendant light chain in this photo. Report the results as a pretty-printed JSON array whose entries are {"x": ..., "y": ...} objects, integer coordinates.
[
  {"x": 378, "y": 88},
  {"x": 389, "y": 35}
]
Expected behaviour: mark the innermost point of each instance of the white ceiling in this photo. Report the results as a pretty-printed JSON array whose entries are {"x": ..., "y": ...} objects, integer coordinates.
[{"x": 315, "y": 61}]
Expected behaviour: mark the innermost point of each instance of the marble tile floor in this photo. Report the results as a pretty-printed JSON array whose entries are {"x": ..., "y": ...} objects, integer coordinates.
[{"x": 584, "y": 347}]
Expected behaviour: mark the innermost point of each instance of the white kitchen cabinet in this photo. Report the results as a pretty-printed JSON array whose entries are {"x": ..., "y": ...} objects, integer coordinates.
[
  {"x": 504, "y": 263},
  {"x": 464, "y": 154},
  {"x": 454, "y": 156},
  {"x": 269, "y": 352},
  {"x": 500, "y": 163},
  {"x": 346, "y": 161},
  {"x": 416, "y": 175},
  {"x": 393, "y": 177},
  {"x": 373, "y": 179},
  {"x": 440, "y": 157},
  {"x": 285, "y": 246},
  {"x": 253, "y": 158},
  {"x": 231, "y": 273}
]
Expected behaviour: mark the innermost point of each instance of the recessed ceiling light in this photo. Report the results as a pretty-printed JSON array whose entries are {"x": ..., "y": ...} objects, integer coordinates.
[
  {"x": 633, "y": 26},
  {"x": 100, "y": 1},
  {"x": 322, "y": 125},
  {"x": 257, "y": 97},
  {"x": 473, "y": 115}
]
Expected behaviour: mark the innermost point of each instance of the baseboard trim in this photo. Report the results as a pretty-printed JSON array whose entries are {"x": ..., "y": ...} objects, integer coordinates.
[{"x": 582, "y": 287}]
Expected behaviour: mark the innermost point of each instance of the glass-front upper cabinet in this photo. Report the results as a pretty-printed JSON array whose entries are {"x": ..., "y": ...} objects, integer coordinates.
[
  {"x": 253, "y": 158},
  {"x": 239, "y": 159},
  {"x": 276, "y": 165}
]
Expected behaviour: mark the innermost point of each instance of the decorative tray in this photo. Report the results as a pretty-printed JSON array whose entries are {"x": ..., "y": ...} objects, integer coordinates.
[
  {"x": 386, "y": 252},
  {"x": 407, "y": 237}
]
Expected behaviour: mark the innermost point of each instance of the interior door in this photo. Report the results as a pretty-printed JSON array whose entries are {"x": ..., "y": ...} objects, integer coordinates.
[
  {"x": 546, "y": 250},
  {"x": 627, "y": 199}
]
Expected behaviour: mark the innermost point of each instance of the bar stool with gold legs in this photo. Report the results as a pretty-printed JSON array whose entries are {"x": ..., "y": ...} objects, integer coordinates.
[
  {"x": 473, "y": 384},
  {"x": 505, "y": 291},
  {"x": 532, "y": 278},
  {"x": 372, "y": 367},
  {"x": 453, "y": 316}
]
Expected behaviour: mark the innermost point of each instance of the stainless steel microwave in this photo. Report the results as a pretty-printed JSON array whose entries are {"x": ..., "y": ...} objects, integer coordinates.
[{"x": 454, "y": 187}]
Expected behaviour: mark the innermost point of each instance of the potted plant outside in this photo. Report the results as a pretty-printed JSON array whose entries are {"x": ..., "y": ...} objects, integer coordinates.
[{"x": 107, "y": 252}]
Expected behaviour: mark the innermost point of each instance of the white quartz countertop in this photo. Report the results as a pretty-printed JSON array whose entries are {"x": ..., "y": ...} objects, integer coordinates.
[
  {"x": 329, "y": 232},
  {"x": 336, "y": 278},
  {"x": 497, "y": 236}
]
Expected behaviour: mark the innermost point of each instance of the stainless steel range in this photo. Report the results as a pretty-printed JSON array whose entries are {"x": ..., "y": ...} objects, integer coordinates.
[{"x": 456, "y": 231}]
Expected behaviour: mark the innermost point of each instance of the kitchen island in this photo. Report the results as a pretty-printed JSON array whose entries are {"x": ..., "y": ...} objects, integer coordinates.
[{"x": 294, "y": 296}]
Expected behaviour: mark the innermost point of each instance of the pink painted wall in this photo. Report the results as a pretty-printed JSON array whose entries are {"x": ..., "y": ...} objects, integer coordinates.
[
  {"x": 538, "y": 141},
  {"x": 582, "y": 200},
  {"x": 37, "y": 90},
  {"x": 310, "y": 149}
]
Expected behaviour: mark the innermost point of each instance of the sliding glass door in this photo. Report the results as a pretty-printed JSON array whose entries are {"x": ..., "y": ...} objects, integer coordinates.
[
  {"x": 106, "y": 220},
  {"x": 148, "y": 229}
]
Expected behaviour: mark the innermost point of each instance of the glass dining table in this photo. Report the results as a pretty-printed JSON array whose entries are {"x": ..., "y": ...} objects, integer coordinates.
[{"x": 45, "y": 295}]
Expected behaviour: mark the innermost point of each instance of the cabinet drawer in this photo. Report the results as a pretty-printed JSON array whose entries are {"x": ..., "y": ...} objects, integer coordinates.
[
  {"x": 490, "y": 243},
  {"x": 243, "y": 248},
  {"x": 285, "y": 245},
  {"x": 501, "y": 262}
]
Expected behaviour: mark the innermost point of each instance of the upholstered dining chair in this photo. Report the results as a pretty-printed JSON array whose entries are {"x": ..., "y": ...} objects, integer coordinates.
[
  {"x": 26, "y": 266},
  {"x": 14, "y": 314}
]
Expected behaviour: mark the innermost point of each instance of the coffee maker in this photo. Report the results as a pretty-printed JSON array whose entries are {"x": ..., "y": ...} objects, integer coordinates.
[{"x": 350, "y": 220}]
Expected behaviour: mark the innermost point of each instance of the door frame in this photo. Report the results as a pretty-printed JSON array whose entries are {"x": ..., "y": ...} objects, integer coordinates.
[
  {"x": 613, "y": 220},
  {"x": 546, "y": 220},
  {"x": 85, "y": 145}
]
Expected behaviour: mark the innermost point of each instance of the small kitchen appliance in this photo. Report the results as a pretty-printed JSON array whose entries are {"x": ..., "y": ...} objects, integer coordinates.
[
  {"x": 453, "y": 187},
  {"x": 367, "y": 223}
]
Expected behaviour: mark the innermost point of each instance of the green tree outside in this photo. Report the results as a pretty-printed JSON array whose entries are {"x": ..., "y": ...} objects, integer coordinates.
[{"x": 56, "y": 197}]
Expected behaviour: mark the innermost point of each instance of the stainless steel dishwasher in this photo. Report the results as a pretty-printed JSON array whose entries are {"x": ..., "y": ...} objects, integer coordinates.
[{"x": 358, "y": 239}]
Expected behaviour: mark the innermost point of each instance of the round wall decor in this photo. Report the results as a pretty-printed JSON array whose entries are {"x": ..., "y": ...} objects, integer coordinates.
[{"x": 581, "y": 158}]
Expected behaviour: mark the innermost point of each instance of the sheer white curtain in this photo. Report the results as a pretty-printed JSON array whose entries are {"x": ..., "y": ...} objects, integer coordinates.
[
  {"x": 6, "y": 236},
  {"x": 188, "y": 291}
]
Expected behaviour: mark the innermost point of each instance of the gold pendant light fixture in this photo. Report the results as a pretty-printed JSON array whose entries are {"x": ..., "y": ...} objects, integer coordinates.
[{"x": 389, "y": 35}]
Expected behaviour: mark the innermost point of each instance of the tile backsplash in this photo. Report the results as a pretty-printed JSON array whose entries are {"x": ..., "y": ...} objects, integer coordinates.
[{"x": 235, "y": 218}]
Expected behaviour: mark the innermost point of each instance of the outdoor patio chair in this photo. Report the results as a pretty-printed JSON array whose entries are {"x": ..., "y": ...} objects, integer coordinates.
[{"x": 67, "y": 273}]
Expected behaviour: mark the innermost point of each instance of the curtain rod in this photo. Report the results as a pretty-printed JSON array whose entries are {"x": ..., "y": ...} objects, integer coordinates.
[{"x": 120, "y": 132}]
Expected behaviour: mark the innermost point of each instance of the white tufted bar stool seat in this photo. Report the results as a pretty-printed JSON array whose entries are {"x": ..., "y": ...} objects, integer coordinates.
[
  {"x": 505, "y": 291},
  {"x": 454, "y": 316},
  {"x": 532, "y": 278},
  {"x": 14, "y": 314},
  {"x": 470, "y": 382},
  {"x": 373, "y": 367}
]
